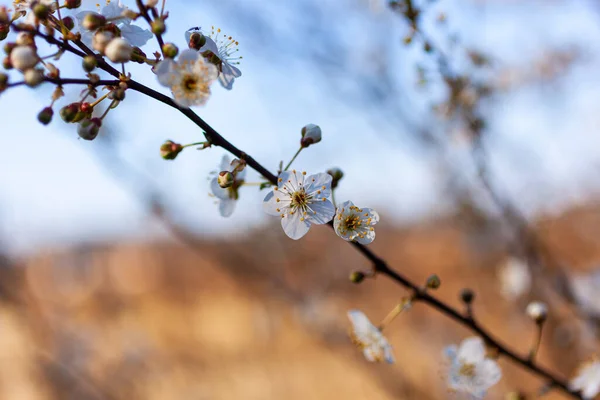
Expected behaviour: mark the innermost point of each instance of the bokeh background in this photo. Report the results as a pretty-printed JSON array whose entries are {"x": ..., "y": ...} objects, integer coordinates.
[{"x": 119, "y": 279}]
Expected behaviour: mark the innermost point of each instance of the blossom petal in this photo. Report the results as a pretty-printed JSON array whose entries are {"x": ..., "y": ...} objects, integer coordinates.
[
  {"x": 189, "y": 55},
  {"x": 368, "y": 238},
  {"x": 271, "y": 205},
  {"x": 489, "y": 373},
  {"x": 472, "y": 350},
  {"x": 210, "y": 45},
  {"x": 360, "y": 323},
  {"x": 226, "y": 207},
  {"x": 450, "y": 352},
  {"x": 165, "y": 73},
  {"x": 293, "y": 179},
  {"x": 226, "y": 81},
  {"x": 293, "y": 226},
  {"x": 316, "y": 182},
  {"x": 135, "y": 35},
  {"x": 324, "y": 212}
]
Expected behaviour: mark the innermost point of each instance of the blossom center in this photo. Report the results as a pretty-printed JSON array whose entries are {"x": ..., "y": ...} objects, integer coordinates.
[
  {"x": 299, "y": 199},
  {"x": 352, "y": 222},
  {"x": 467, "y": 370},
  {"x": 190, "y": 83}
]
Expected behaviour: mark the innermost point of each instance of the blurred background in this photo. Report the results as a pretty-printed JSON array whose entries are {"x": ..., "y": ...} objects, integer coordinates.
[{"x": 470, "y": 128}]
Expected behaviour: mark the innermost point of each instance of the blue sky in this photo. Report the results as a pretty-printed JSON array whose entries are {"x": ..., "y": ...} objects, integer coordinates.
[{"x": 545, "y": 151}]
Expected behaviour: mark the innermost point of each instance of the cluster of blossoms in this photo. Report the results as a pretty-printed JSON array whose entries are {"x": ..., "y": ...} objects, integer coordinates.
[{"x": 108, "y": 37}]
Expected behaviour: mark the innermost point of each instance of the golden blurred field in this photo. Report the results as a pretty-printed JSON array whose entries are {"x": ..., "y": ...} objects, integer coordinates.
[{"x": 264, "y": 317}]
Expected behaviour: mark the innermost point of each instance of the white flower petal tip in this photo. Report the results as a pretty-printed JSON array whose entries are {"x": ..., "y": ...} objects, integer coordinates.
[
  {"x": 470, "y": 370},
  {"x": 227, "y": 197},
  {"x": 300, "y": 201},
  {"x": 515, "y": 278},
  {"x": 220, "y": 50},
  {"x": 189, "y": 78},
  {"x": 587, "y": 380},
  {"x": 369, "y": 339},
  {"x": 352, "y": 223}
]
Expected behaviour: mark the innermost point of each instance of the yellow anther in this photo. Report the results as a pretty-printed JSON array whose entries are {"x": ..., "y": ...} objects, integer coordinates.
[
  {"x": 278, "y": 200},
  {"x": 279, "y": 180},
  {"x": 294, "y": 171},
  {"x": 278, "y": 210},
  {"x": 371, "y": 229},
  {"x": 318, "y": 192},
  {"x": 302, "y": 219},
  {"x": 366, "y": 214},
  {"x": 324, "y": 187},
  {"x": 324, "y": 199}
]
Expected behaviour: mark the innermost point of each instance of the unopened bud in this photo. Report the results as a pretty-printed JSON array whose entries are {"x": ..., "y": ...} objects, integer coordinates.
[
  {"x": 4, "y": 30},
  {"x": 4, "y": 15},
  {"x": 138, "y": 56},
  {"x": 225, "y": 179},
  {"x": 88, "y": 128},
  {"x": 170, "y": 50},
  {"x": 357, "y": 277},
  {"x": 433, "y": 282},
  {"x": 23, "y": 58},
  {"x": 3, "y": 81},
  {"x": 41, "y": 11},
  {"x": 70, "y": 4},
  {"x": 117, "y": 94},
  {"x": 101, "y": 40},
  {"x": 68, "y": 112},
  {"x": 118, "y": 50},
  {"x": 537, "y": 311},
  {"x": 25, "y": 39},
  {"x": 8, "y": 47},
  {"x": 93, "y": 21},
  {"x": 158, "y": 26},
  {"x": 336, "y": 176},
  {"x": 197, "y": 40},
  {"x": 311, "y": 134},
  {"x": 86, "y": 107},
  {"x": 169, "y": 150},
  {"x": 68, "y": 22},
  {"x": 89, "y": 63},
  {"x": 45, "y": 116},
  {"x": 33, "y": 77},
  {"x": 6, "y": 64},
  {"x": 467, "y": 296}
]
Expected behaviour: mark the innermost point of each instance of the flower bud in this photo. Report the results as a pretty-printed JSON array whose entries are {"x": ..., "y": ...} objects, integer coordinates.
[
  {"x": 118, "y": 50},
  {"x": 68, "y": 112},
  {"x": 86, "y": 107},
  {"x": 225, "y": 179},
  {"x": 169, "y": 150},
  {"x": 41, "y": 11},
  {"x": 138, "y": 56},
  {"x": 4, "y": 30},
  {"x": 25, "y": 39},
  {"x": 33, "y": 77},
  {"x": 311, "y": 134},
  {"x": 100, "y": 40},
  {"x": 88, "y": 128},
  {"x": 158, "y": 26},
  {"x": 537, "y": 311},
  {"x": 170, "y": 50},
  {"x": 467, "y": 296},
  {"x": 89, "y": 63},
  {"x": 69, "y": 23},
  {"x": 197, "y": 40},
  {"x": 117, "y": 94},
  {"x": 71, "y": 4},
  {"x": 23, "y": 58},
  {"x": 433, "y": 282},
  {"x": 93, "y": 21},
  {"x": 8, "y": 47},
  {"x": 6, "y": 64},
  {"x": 3, "y": 81},
  {"x": 336, "y": 176},
  {"x": 4, "y": 15},
  {"x": 45, "y": 116},
  {"x": 357, "y": 277}
]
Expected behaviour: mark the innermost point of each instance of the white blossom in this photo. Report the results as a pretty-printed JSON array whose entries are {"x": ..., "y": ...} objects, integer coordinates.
[
  {"x": 227, "y": 197},
  {"x": 515, "y": 278},
  {"x": 369, "y": 338},
  {"x": 537, "y": 311},
  {"x": 585, "y": 289},
  {"x": 587, "y": 380},
  {"x": 189, "y": 78},
  {"x": 220, "y": 50},
  {"x": 115, "y": 12},
  {"x": 23, "y": 57},
  {"x": 353, "y": 223},
  {"x": 300, "y": 201},
  {"x": 470, "y": 371},
  {"x": 118, "y": 50}
]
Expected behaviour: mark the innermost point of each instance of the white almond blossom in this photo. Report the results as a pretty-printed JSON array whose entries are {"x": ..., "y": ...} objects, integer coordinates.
[
  {"x": 470, "y": 371},
  {"x": 355, "y": 224},
  {"x": 114, "y": 11},
  {"x": 585, "y": 290},
  {"x": 300, "y": 201},
  {"x": 369, "y": 338},
  {"x": 189, "y": 78},
  {"x": 221, "y": 51},
  {"x": 515, "y": 278},
  {"x": 587, "y": 380},
  {"x": 227, "y": 196}
]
